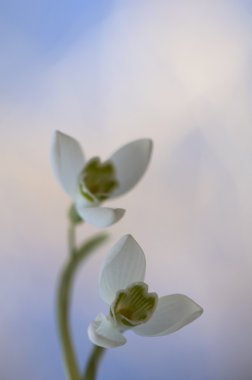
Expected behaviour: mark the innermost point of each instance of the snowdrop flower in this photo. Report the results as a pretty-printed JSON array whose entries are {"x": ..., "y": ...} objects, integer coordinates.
[
  {"x": 90, "y": 182},
  {"x": 131, "y": 306}
]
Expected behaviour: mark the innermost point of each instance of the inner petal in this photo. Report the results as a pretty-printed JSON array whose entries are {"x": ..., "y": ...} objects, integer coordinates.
[
  {"x": 98, "y": 179},
  {"x": 134, "y": 305}
]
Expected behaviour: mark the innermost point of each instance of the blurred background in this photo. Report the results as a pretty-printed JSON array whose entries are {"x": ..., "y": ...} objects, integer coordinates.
[{"x": 107, "y": 72}]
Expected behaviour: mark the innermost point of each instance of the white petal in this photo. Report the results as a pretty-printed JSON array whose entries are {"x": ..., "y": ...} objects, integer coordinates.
[
  {"x": 130, "y": 163},
  {"x": 124, "y": 265},
  {"x": 100, "y": 216},
  {"x": 82, "y": 202},
  {"x": 172, "y": 313},
  {"x": 104, "y": 334},
  {"x": 67, "y": 161}
]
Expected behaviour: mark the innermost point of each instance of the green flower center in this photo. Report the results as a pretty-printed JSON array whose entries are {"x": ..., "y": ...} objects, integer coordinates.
[
  {"x": 134, "y": 305},
  {"x": 98, "y": 180}
]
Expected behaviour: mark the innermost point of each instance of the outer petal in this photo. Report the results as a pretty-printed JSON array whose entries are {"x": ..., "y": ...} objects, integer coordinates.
[
  {"x": 130, "y": 163},
  {"x": 172, "y": 313},
  {"x": 104, "y": 334},
  {"x": 67, "y": 161},
  {"x": 124, "y": 265},
  {"x": 100, "y": 216}
]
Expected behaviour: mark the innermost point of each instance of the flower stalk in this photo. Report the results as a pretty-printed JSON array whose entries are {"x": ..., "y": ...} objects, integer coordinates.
[
  {"x": 93, "y": 362},
  {"x": 71, "y": 239},
  {"x": 76, "y": 257}
]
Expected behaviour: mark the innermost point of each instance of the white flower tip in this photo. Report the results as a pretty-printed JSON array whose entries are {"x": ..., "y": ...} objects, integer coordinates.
[
  {"x": 100, "y": 217},
  {"x": 149, "y": 145},
  {"x": 146, "y": 144},
  {"x": 125, "y": 264},
  {"x": 173, "y": 312},
  {"x": 118, "y": 214},
  {"x": 188, "y": 309},
  {"x": 131, "y": 162},
  {"x": 200, "y": 310},
  {"x": 126, "y": 238},
  {"x": 55, "y": 151},
  {"x": 102, "y": 333},
  {"x": 67, "y": 161},
  {"x": 125, "y": 246},
  {"x": 57, "y": 135}
]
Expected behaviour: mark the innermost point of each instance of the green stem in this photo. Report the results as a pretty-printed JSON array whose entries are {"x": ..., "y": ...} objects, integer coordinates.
[
  {"x": 93, "y": 361},
  {"x": 63, "y": 301},
  {"x": 71, "y": 238}
]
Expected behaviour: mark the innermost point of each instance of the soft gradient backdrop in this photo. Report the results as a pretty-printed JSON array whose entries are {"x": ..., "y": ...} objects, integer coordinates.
[{"x": 107, "y": 72}]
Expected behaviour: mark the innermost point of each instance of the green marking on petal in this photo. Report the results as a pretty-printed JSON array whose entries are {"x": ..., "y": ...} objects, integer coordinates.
[
  {"x": 134, "y": 305},
  {"x": 86, "y": 195},
  {"x": 99, "y": 179}
]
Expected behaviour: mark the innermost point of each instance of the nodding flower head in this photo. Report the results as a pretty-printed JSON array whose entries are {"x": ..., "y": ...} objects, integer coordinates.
[
  {"x": 131, "y": 306},
  {"x": 91, "y": 182}
]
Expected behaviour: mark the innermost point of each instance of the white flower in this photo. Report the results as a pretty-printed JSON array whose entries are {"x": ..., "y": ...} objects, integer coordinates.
[
  {"x": 131, "y": 306},
  {"x": 90, "y": 182}
]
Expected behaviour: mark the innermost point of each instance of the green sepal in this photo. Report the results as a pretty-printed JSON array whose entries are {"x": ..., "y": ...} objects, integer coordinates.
[{"x": 73, "y": 215}]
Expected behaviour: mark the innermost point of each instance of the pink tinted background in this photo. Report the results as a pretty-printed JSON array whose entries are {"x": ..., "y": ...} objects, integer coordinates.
[{"x": 180, "y": 74}]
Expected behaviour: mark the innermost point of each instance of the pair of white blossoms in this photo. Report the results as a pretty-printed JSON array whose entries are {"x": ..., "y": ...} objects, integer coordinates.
[{"x": 121, "y": 281}]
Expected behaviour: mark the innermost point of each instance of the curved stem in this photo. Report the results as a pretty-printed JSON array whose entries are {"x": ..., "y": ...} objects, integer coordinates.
[
  {"x": 64, "y": 291},
  {"x": 63, "y": 301},
  {"x": 71, "y": 238},
  {"x": 93, "y": 361}
]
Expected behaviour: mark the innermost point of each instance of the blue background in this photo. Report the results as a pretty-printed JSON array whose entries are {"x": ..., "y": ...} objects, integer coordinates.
[{"x": 107, "y": 72}]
